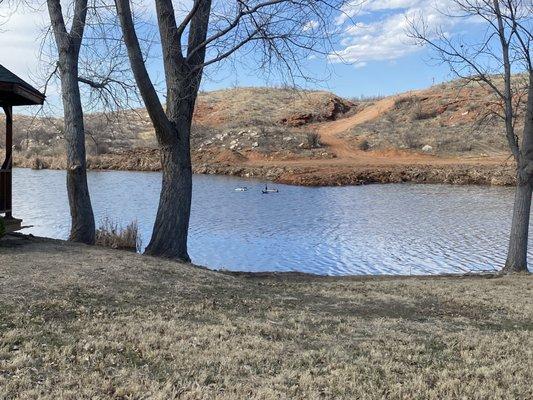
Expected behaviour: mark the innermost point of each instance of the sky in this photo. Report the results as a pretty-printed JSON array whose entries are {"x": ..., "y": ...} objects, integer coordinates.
[{"x": 374, "y": 55}]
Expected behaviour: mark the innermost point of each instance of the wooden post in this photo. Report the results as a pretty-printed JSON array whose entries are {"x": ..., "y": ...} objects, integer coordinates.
[{"x": 8, "y": 163}]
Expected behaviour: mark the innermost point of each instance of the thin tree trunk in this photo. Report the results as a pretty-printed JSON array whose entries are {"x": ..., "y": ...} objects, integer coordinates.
[
  {"x": 169, "y": 236},
  {"x": 517, "y": 254},
  {"x": 68, "y": 48},
  {"x": 81, "y": 211}
]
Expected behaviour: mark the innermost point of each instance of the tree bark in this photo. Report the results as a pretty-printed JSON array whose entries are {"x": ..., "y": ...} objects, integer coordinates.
[
  {"x": 171, "y": 227},
  {"x": 517, "y": 253},
  {"x": 173, "y": 125},
  {"x": 68, "y": 48},
  {"x": 82, "y": 217}
]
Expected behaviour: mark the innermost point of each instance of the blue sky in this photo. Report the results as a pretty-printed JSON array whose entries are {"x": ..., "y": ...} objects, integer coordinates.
[
  {"x": 413, "y": 71},
  {"x": 378, "y": 57}
]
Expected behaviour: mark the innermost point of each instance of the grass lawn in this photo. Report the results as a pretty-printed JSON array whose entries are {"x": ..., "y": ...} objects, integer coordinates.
[{"x": 80, "y": 322}]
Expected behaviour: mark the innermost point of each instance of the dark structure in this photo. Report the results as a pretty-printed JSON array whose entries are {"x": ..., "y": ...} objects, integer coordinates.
[{"x": 13, "y": 92}]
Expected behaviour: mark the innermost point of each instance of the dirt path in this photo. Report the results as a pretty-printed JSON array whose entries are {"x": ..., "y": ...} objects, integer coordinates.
[
  {"x": 329, "y": 131},
  {"x": 347, "y": 155}
]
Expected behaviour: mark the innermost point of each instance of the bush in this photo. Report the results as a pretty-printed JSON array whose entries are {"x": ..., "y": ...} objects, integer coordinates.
[
  {"x": 313, "y": 140},
  {"x": 364, "y": 145},
  {"x": 111, "y": 234},
  {"x": 399, "y": 102},
  {"x": 418, "y": 114},
  {"x": 411, "y": 139},
  {"x": 2, "y": 227}
]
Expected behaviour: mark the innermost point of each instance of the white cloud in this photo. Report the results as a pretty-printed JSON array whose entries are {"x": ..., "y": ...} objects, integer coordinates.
[
  {"x": 20, "y": 40},
  {"x": 383, "y": 36},
  {"x": 310, "y": 26}
]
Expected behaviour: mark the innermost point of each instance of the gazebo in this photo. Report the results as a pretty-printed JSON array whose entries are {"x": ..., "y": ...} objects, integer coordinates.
[{"x": 13, "y": 92}]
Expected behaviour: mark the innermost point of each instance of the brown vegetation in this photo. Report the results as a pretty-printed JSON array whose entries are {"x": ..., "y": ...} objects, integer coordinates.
[
  {"x": 79, "y": 322},
  {"x": 454, "y": 118},
  {"x": 111, "y": 234}
]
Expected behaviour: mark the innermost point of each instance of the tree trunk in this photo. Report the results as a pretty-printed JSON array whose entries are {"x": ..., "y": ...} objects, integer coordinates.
[
  {"x": 169, "y": 236},
  {"x": 81, "y": 212},
  {"x": 517, "y": 254}
]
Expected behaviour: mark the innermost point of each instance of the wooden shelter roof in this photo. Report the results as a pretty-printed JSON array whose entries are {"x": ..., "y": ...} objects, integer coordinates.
[{"x": 16, "y": 92}]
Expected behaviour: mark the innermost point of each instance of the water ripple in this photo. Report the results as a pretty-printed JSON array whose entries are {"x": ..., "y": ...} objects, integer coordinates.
[{"x": 374, "y": 229}]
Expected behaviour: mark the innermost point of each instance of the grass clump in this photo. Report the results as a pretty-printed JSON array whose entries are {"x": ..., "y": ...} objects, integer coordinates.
[{"x": 111, "y": 234}]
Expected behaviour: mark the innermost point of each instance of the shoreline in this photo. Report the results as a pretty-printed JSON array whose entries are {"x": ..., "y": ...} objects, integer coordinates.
[
  {"x": 282, "y": 275},
  {"x": 318, "y": 173}
]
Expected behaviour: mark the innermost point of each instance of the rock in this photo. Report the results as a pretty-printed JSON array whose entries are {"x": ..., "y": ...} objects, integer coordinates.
[
  {"x": 297, "y": 120},
  {"x": 427, "y": 148}
]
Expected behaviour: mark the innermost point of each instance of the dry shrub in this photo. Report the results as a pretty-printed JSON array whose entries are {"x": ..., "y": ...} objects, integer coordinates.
[
  {"x": 400, "y": 101},
  {"x": 38, "y": 163},
  {"x": 313, "y": 140},
  {"x": 111, "y": 234},
  {"x": 364, "y": 145},
  {"x": 411, "y": 139},
  {"x": 419, "y": 114}
]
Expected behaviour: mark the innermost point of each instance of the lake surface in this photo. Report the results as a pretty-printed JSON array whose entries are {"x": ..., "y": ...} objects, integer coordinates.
[{"x": 374, "y": 229}]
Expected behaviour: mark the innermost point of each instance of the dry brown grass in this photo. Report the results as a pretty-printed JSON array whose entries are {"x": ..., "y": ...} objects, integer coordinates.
[
  {"x": 452, "y": 118},
  {"x": 111, "y": 234},
  {"x": 80, "y": 322},
  {"x": 260, "y": 106}
]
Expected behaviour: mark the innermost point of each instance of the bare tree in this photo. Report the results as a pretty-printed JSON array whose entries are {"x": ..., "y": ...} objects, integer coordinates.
[
  {"x": 68, "y": 48},
  {"x": 97, "y": 62},
  {"x": 273, "y": 32},
  {"x": 502, "y": 61}
]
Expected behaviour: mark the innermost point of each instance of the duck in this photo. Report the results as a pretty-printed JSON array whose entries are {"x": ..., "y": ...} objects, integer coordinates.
[{"x": 266, "y": 190}]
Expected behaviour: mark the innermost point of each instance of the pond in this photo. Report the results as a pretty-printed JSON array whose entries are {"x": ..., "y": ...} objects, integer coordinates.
[{"x": 374, "y": 229}]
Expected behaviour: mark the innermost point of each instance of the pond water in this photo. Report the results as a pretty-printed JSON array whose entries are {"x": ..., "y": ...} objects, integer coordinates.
[{"x": 375, "y": 229}]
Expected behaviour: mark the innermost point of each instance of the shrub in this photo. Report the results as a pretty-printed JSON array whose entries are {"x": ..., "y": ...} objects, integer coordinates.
[
  {"x": 313, "y": 140},
  {"x": 2, "y": 227},
  {"x": 411, "y": 139},
  {"x": 400, "y": 101},
  {"x": 364, "y": 145},
  {"x": 418, "y": 114},
  {"x": 111, "y": 234}
]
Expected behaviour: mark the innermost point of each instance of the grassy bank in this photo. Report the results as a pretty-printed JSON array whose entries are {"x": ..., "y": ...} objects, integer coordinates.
[{"x": 86, "y": 322}]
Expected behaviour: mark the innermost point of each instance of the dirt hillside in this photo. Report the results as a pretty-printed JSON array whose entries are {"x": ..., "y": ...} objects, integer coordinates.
[{"x": 446, "y": 133}]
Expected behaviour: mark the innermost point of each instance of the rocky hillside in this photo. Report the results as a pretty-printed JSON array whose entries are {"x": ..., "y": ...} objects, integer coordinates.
[
  {"x": 446, "y": 133},
  {"x": 269, "y": 121},
  {"x": 448, "y": 119}
]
